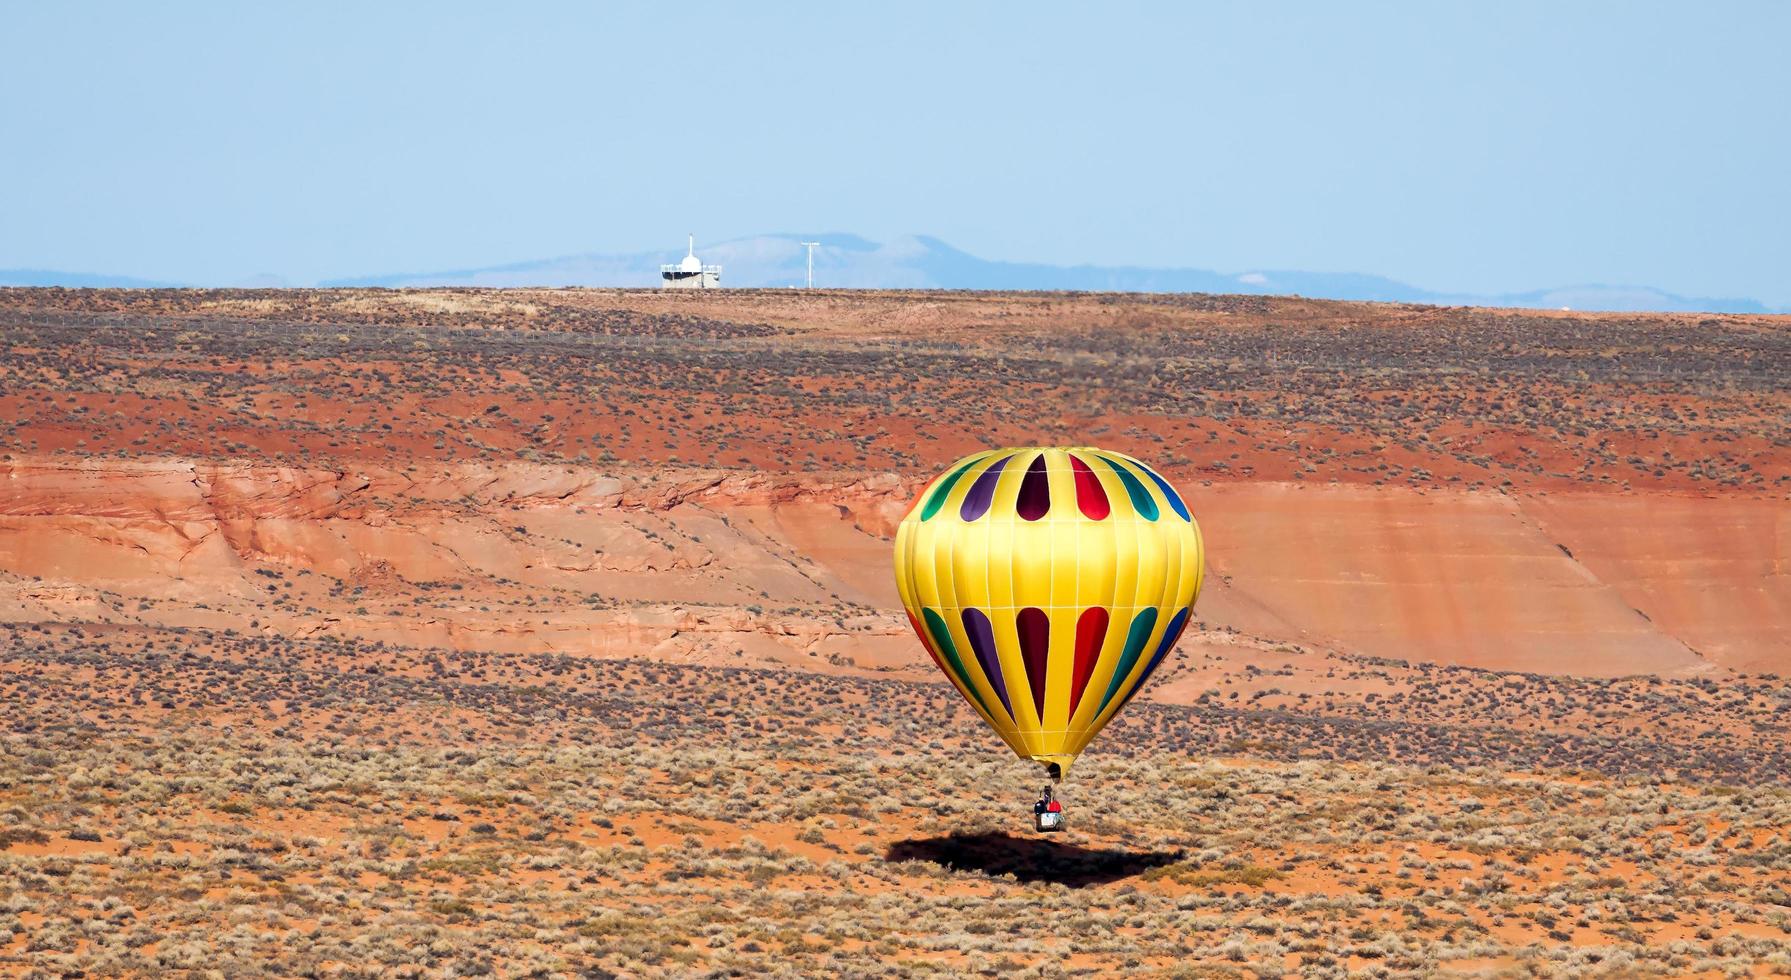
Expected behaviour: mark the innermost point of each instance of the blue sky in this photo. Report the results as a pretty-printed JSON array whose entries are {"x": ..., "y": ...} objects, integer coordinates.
[{"x": 1476, "y": 148}]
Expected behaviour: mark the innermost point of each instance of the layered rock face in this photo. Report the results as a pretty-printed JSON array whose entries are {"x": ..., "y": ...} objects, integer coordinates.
[
  {"x": 714, "y": 479},
  {"x": 529, "y": 558},
  {"x": 719, "y": 567}
]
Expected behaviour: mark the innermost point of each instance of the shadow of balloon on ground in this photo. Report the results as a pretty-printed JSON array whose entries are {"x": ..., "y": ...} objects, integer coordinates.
[{"x": 1031, "y": 858}]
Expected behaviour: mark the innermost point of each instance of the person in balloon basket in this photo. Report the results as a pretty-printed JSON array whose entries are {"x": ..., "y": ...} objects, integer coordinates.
[{"x": 1047, "y": 813}]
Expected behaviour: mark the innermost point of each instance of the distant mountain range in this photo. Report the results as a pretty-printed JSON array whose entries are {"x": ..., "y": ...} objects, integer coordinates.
[{"x": 922, "y": 262}]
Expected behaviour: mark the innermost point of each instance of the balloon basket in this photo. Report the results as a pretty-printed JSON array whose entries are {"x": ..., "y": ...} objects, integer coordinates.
[{"x": 1047, "y": 813}]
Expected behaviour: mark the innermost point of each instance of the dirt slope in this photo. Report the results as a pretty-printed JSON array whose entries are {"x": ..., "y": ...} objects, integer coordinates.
[
  {"x": 715, "y": 478},
  {"x": 708, "y": 567}
]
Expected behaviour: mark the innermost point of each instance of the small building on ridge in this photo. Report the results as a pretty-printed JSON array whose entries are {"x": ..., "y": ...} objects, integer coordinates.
[{"x": 690, "y": 272}]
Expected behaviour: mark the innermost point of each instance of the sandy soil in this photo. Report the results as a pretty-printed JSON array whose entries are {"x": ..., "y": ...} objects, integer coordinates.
[
  {"x": 182, "y": 800},
  {"x": 455, "y": 632}
]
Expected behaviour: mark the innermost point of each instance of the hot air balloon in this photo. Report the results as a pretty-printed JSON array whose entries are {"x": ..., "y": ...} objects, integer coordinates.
[{"x": 1048, "y": 584}]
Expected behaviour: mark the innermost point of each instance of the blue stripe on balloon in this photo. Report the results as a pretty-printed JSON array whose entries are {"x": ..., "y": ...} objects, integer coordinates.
[
  {"x": 1175, "y": 499},
  {"x": 1142, "y": 624},
  {"x": 1170, "y": 635},
  {"x": 1142, "y": 501}
]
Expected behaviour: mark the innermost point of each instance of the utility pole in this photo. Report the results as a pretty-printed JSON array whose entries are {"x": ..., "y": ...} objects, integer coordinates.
[{"x": 811, "y": 262}]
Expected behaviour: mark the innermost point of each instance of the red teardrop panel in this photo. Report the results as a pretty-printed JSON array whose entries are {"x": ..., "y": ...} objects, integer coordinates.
[
  {"x": 1091, "y": 497},
  {"x": 1091, "y": 632}
]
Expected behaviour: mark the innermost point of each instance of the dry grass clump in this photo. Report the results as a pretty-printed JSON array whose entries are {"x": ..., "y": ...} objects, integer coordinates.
[
  {"x": 403, "y": 858},
  {"x": 1226, "y": 386},
  {"x": 672, "y": 837},
  {"x": 101, "y": 679}
]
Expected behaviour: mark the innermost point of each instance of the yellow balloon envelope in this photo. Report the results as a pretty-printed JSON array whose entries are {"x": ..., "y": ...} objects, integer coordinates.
[{"x": 1048, "y": 584}]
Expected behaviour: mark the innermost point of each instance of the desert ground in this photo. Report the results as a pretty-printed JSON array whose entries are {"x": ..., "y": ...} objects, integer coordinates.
[{"x": 552, "y": 632}]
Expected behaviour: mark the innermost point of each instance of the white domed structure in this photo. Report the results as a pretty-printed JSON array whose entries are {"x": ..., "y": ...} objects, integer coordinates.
[{"x": 690, "y": 272}]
